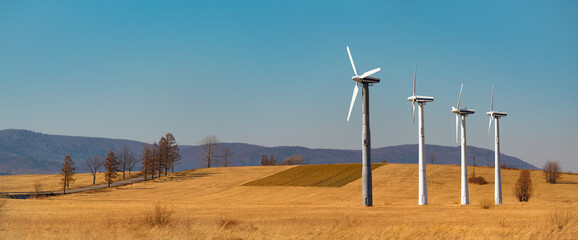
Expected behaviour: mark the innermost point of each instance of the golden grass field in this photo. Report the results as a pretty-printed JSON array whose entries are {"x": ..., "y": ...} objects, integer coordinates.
[
  {"x": 214, "y": 204},
  {"x": 50, "y": 182}
]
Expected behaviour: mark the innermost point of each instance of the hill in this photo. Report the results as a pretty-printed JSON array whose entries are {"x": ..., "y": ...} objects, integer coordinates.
[{"x": 27, "y": 152}]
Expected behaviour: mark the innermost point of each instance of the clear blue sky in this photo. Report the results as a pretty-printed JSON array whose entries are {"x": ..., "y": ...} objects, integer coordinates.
[{"x": 277, "y": 73}]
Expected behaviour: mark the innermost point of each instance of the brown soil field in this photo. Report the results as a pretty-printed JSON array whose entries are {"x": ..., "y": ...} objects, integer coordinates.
[{"x": 214, "y": 204}]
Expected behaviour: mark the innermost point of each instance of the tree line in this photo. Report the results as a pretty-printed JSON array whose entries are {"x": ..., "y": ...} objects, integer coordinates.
[{"x": 157, "y": 158}]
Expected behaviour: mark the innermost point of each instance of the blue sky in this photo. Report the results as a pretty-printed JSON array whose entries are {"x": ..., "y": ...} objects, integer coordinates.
[{"x": 277, "y": 73}]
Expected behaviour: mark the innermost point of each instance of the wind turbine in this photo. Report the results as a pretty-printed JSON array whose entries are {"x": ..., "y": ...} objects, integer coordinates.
[
  {"x": 365, "y": 80},
  {"x": 421, "y": 100},
  {"x": 497, "y": 164},
  {"x": 463, "y": 112}
]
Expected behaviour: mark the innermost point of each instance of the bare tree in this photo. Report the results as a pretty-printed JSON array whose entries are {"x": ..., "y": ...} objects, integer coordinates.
[
  {"x": 523, "y": 189},
  {"x": 432, "y": 158},
  {"x": 126, "y": 160},
  {"x": 264, "y": 160},
  {"x": 93, "y": 164},
  {"x": 208, "y": 150},
  {"x": 67, "y": 173},
  {"x": 111, "y": 168},
  {"x": 552, "y": 171},
  {"x": 147, "y": 164},
  {"x": 37, "y": 187},
  {"x": 173, "y": 154},
  {"x": 294, "y": 159},
  {"x": 226, "y": 154}
]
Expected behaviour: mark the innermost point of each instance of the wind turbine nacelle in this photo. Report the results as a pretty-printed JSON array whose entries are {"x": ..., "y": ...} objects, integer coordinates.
[
  {"x": 368, "y": 79},
  {"x": 420, "y": 99},
  {"x": 463, "y": 111},
  {"x": 497, "y": 114}
]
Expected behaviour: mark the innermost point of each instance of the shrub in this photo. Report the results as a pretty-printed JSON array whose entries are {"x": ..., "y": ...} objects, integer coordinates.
[
  {"x": 226, "y": 222},
  {"x": 477, "y": 180},
  {"x": 523, "y": 189},
  {"x": 293, "y": 160},
  {"x": 486, "y": 204},
  {"x": 552, "y": 171},
  {"x": 160, "y": 216},
  {"x": 561, "y": 218}
]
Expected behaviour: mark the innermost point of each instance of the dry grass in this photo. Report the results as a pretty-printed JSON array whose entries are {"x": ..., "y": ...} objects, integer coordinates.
[
  {"x": 487, "y": 203},
  {"x": 161, "y": 215},
  {"x": 50, "y": 182},
  {"x": 214, "y": 204},
  {"x": 561, "y": 217},
  {"x": 333, "y": 175}
]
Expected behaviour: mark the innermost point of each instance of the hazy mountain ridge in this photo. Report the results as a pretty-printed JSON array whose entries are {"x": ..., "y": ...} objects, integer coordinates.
[{"x": 27, "y": 152}]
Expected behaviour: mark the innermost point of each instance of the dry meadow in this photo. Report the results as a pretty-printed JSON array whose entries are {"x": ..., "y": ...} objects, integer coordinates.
[{"x": 215, "y": 204}]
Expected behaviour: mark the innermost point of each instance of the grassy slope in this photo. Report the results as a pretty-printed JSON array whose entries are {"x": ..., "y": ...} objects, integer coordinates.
[
  {"x": 328, "y": 175},
  {"x": 50, "y": 182},
  {"x": 202, "y": 199}
]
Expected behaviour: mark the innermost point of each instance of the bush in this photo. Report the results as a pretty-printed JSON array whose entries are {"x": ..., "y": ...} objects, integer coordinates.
[
  {"x": 477, "y": 180},
  {"x": 561, "y": 218},
  {"x": 227, "y": 223},
  {"x": 552, "y": 171},
  {"x": 486, "y": 204},
  {"x": 523, "y": 189},
  {"x": 160, "y": 216}
]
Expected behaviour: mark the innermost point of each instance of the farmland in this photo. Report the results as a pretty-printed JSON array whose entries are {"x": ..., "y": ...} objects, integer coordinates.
[{"x": 218, "y": 203}]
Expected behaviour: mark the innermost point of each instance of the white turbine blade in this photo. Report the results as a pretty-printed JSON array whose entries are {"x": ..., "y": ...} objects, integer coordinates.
[
  {"x": 355, "y": 90},
  {"x": 365, "y": 74},
  {"x": 492, "y": 104},
  {"x": 413, "y": 110},
  {"x": 414, "y": 72},
  {"x": 351, "y": 59},
  {"x": 460, "y": 98},
  {"x": 490, "y": 125},
  {"x": 457, "y": 118}
]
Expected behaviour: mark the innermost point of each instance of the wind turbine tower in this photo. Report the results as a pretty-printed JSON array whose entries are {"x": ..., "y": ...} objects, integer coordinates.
[
  {"x": 421, "y": 100},
  {"x": 365, "y": 80},
  {"x": 463, "y": 113},
  {"x": 497, "y": 164}
]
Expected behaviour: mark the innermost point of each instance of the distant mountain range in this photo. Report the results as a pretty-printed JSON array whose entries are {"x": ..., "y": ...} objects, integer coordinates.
[{"x": 27, "y": 152}]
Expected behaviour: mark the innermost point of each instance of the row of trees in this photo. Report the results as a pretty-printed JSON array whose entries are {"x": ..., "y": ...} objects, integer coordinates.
[
  {"x": 125, "y": 158},
  {"x": 156, "y": 159},
  {"x": 294, "y": 159},
  {"x": 68, "y": 170},
  {"x": 160, "y": 157}
]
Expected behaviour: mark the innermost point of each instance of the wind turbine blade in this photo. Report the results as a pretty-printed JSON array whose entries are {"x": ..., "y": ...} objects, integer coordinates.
[
  {"x": 457, "y": 117},
  {"x": 351, "y": 59},
  {"x": 414, "y": 72},
  {"x": 492, "y": 104},
  {"x": 413, "y": 110},
  {"x": 490, "y": 125},
  {"x": 365, "y": 74},
  {"x": 355, "y": 90},
  {"x": 460, "y": 98}
]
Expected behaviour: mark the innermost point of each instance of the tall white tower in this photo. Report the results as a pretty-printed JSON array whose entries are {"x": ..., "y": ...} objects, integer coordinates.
[
  {"x": 497, "y": 164},
  {"x": 463, "y": 113},
  {"x": 421, "y": 100}
]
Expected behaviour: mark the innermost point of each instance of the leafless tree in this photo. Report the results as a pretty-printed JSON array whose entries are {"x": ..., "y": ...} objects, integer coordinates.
[
  {"x": 208, "y": 150},
  {"x": 126, "y": 160},
  {"x": 93, "y": 164},
  {"x": 523, "y": 189},
  {"x": 173, "y": 154},
  {"x": 432, "y": 158},
  {"x": 67, "y": 173},
  {"x": 226, "y": 155},
  {"x": 37, "y": 187},
  {"x": 293, "y": 160},
  {"x": 111, "y": 168},
  {"x": 147, "y": 164},
  {"x": 552, "y": 171}
]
